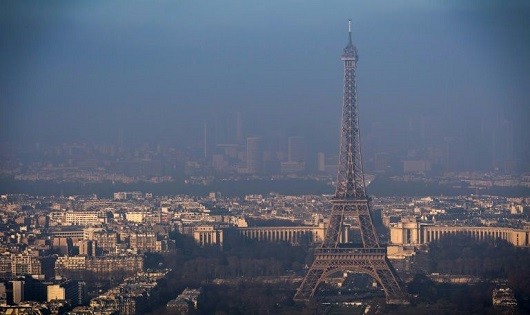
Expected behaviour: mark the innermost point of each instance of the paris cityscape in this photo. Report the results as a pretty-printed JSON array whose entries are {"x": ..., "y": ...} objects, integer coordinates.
[{"x": 264, "y": 158}]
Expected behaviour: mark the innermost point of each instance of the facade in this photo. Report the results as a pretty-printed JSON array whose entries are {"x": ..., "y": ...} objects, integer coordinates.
[
  {"x": 24, "y": 264},
  {"x": 416, "y": 166},
  {"x": 208, "y": 235},
  {"x": 87, "y": 248},
  {"x": 76, "y": 233},
  {"x": 254, "y": 155},
  {"x": 135, "y": 296},
  {"x": 18, "y": 291},
  {"x": 66, "y": 264},
  {"x": 296, "y": 156},
  {"x": 214, "y": 235},
  {"x": 188, "y": 298},
  {"x": 130, "y": 264},
  {"x": 5, "y": 264},
  {"x": 409, "y": 232},
  {"x": 327, "y": 163},
  {"x": 296, "y": 149},
  {"x": 68, "y": 290},
  {"x": 55, "y": 292},
  {"x": 143, "y": 241},
  {"x": 31, "y": 264},
  {"x": 127, "y": 195},
  {"x": 136, "y": 216},
  {"x": 3, "y": 293},
  {"x": 504, "y": 297},
  {"x": 106, "y": 240},
  {"x": 63, "y": 244},
  {"x": 292, "y": 167},
  {"x": 291, "y": 234},
  {"x": 131, "y": 304},
  {"x": 83, "y": 218}
]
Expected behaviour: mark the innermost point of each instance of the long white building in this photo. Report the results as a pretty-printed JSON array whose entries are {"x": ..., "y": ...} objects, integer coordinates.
[{"x": 410, "y": 233}]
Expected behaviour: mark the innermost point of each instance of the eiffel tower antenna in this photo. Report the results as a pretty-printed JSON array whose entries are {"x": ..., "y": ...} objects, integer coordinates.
[
  {"x": 349, "y": 31},
  {"x": 351, "y": 202}
]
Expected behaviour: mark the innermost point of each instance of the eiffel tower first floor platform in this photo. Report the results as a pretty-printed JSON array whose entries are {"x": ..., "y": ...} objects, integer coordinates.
[{"x": 370, "y": 261}]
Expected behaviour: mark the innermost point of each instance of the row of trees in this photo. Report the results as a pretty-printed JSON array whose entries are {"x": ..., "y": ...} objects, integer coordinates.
[
  {"x": 248, "y": 297},
  {"x": 490, "y": 258},
  {"x": 241, "y": 259}
]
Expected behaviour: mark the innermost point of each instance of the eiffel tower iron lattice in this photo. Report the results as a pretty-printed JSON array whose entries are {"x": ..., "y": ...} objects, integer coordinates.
[{"x": 351, "y": 202}]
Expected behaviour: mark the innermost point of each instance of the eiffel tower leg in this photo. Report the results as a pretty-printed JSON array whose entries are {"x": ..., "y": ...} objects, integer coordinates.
[
  {"x": 384, "y": 273},
  {"x": 310, "y": 283}
]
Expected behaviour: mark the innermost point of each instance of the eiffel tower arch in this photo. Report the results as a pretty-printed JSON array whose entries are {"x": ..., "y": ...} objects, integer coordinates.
[{"x": 351, "y": 202}]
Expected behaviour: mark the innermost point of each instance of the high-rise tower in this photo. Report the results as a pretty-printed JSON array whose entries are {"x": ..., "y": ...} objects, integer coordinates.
[
  {"x": 351, "y": 203},
  {"x": 239, "y": 128},
  {"x": 254, "y": 155},
  {"x": 296, "y": 149}
]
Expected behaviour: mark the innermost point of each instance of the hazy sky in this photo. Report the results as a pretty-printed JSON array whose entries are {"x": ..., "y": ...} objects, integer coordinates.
[{"x": 157, "y": 69}]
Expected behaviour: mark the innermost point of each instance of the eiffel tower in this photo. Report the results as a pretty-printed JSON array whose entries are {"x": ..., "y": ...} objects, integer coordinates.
[{"x": 351, "y": 202}]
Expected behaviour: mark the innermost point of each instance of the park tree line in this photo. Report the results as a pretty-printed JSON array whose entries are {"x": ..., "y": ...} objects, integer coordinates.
[
  {"x": 243, "y": 260},
  {"x": 240, "y": 259},
  {"x": 488, "y": 259}
]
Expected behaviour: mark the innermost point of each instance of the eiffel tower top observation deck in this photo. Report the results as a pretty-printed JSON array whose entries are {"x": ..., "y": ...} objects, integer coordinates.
[
  {"x": 350, "y": 177},
  {"x": 350, "y": 51}
]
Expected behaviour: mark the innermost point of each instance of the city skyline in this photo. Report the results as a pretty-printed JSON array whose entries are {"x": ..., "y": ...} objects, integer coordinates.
[
  {"x": 417, "y": 145},
  {"x": 454, "y": 73}
]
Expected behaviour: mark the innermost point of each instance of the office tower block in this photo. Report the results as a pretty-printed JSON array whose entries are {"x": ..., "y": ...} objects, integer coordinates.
[{"x": 254, "y": 155}]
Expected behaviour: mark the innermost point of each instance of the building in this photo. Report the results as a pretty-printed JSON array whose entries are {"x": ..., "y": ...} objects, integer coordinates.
[
  {"x": 84, "y": 218},
  {"x": 17, "y": 289},
  {"x": 208, "y": 235},
  {"x": 143, "y": 241},
  {"x": 66, "y": 266},
  {"x": 87, "y": 248},
  {"x": 136, "y": 216},
  {"x": 32, "y": 264},
  {"x": 254, "y": 155},
  {"x": 292, "y": 167},
  {"x": 55, "y": 292},
  {"x": 185, "y": 302},
  {"x": 5, "y": 264},
  {"x": 296, "y": 150},
  {"x": 127, "y": 195},
  {"x": 63, "y": 245},
  {"x": 136, "y": 295},
  {"x": 416, "y": 166},
  {"x": 70, "y": 291},
  {"x": 291, "y": 234},
  {"x": 106, "y": 240},
  {"x": 410, "y": 233},
  {"x": 327, "y": 163},
  {"x": 239, "y": 128},
  {"x": 128, "y": 264},
  {"x": 68, "y": 232},
  {"x": 75, "y": 266},
  {"x": 503, "y": 297},
  {"x": 381, "y": 162},
  {"x": 3, "y": 293},
  {"x": 34, "y": 289}
]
